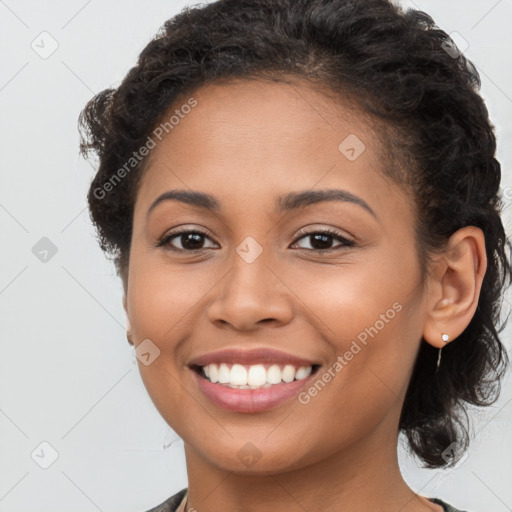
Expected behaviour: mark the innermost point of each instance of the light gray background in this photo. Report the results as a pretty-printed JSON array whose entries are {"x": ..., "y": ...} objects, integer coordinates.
[{"x": 67, "y": 374}]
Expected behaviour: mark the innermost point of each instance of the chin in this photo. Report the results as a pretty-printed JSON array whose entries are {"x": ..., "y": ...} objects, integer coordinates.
[{"x": 253, "y": 461}]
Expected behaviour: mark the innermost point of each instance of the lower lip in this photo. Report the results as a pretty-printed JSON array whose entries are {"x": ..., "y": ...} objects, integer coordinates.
[{"x": 250, "y": 400}]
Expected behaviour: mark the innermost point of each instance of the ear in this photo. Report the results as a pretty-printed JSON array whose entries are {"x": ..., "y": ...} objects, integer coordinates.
[
  {"x": 454, "y": 286},
  {"x": 128, "y": 326}
]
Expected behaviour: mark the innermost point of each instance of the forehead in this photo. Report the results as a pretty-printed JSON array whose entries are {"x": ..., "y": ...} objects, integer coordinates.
[
  {"x": 247, "y": 115},
  {"x": 247, "y": 141}
]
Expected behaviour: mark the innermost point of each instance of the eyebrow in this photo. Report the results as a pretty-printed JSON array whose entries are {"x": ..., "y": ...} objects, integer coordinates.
[{"x": 286, "y": 202}]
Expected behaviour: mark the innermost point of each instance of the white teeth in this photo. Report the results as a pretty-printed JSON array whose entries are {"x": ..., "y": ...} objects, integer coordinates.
[
  {"x": 274, "y": 374},
  {"x": 213, "y": 372},
  {"x": 288, "y": 373},
  {"x": 254, "y": 376},
  {"x": 303, "y": 372},
  {"x": 223, "y": 376},
  {"x": 257, "y": 375},
  {"x": 238, "y": 375}
]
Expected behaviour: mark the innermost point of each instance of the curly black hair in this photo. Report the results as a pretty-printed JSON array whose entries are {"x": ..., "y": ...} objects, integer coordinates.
[{"x": 400, "y": 69}]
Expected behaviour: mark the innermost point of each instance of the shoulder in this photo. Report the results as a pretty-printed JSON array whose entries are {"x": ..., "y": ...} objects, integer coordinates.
[
  {"x": 170, "y": 504},
  {"x": 447, "y": 507}
]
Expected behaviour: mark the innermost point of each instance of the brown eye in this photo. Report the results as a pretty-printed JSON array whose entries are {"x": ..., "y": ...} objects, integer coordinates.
[
  {"x": 188, "y": 240},
  {"x": 193, "y": 240},
  {"x": 322, "y": 240}
]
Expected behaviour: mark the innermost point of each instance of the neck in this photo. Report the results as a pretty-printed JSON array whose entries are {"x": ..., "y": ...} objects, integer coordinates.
[{"x": 364, "y": 476}]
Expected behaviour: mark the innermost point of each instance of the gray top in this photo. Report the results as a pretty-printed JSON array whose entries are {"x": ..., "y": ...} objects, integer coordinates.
[{"x": 172, "y": 503}]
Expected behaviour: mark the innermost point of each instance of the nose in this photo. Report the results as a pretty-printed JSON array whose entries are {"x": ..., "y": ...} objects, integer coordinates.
[{"x": 250, "y": 295}]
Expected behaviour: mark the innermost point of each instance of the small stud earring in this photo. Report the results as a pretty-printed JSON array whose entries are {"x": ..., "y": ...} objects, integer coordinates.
[{"x": 445, "y": 338}]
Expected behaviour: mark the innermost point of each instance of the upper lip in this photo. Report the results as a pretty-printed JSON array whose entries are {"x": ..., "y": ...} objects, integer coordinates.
[{"x": 249, "y": 357}]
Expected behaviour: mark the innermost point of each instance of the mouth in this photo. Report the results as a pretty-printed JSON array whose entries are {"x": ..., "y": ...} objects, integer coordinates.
[
  {"x": 258, "y": 376},
  {"x": 252, "y": 388}
]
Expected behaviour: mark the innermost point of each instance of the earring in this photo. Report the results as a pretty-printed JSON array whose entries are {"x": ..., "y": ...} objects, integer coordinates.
[{"x": 445, "y": 338}]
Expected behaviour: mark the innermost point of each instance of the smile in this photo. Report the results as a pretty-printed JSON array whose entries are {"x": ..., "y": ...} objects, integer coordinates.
[
  {"x": 253, "y": 376},
  {"x": 251, "y": 388}
]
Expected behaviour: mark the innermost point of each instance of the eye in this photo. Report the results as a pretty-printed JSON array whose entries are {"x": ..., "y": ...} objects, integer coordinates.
[
  {"x": 190, "y": 240},
  {"x": 193, "y": 240},
  {"x": 322, "y": 239}
]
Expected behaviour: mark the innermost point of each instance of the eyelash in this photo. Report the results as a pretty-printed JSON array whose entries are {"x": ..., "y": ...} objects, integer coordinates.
[{"x": 345, "y": 242}]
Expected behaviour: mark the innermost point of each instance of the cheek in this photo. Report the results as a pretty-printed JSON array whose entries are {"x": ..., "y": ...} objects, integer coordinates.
[
  {"x": 164, "y": 299},
  {"x": 364, "y": 384},
  {"x": 344, "y": 301},
  {"x": 370, "y": 316}
]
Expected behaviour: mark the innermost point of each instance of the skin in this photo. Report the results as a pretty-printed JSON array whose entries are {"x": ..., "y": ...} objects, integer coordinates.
[{"x": 247, "y": 142}]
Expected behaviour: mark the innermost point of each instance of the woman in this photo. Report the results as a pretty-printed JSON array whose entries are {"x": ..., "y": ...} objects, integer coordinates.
[{"x": 302, "y": 201}]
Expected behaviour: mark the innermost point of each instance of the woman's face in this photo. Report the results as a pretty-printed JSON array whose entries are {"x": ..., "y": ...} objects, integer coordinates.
[{"x": 254, "y": 283}]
